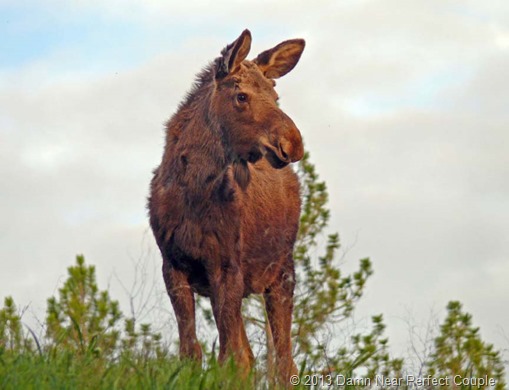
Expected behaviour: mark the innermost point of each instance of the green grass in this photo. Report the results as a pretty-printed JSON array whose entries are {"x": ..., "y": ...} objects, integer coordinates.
[{"x": 65, "y": 370}]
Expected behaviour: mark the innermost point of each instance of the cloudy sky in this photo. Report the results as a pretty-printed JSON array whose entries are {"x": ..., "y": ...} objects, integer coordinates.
[{"x": 403, "y": 106}]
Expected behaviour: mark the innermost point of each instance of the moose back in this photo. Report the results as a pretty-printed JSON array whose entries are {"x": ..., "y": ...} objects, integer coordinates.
[{"x": 224, "y": 203}]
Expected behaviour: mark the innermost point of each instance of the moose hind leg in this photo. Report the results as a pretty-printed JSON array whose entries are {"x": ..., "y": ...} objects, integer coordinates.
[
  {"x": 279, "y": 306},
  {"x": 182, "y": 300}
]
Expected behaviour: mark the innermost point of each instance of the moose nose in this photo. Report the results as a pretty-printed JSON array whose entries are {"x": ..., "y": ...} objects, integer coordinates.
[
  {"x": 292, "y": 150},
  {"x": 290, "y": 145}
]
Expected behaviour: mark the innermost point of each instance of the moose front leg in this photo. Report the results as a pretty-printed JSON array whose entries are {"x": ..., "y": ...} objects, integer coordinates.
[
  {"x": 279, "y": 306},
  {"x": 182, "y": 300},
  {"x": 227, "y": 290}
]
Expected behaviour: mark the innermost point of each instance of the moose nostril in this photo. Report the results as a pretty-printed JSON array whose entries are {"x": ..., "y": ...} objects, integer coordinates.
[{"x": 283, "y": 153}]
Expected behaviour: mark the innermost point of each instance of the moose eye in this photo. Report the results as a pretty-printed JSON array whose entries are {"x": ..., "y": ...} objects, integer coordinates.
[{"x": 242, "y": 97}]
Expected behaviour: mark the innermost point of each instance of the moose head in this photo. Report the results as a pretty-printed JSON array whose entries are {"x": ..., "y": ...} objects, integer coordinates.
[{"x": 246, "y": 104}]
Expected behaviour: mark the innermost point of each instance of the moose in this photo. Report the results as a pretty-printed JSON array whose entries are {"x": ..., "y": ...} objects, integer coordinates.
[{"x": 224, "y": 203}]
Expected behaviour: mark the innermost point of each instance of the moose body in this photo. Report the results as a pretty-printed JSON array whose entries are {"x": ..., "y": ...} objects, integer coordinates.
[{"x": 224, "y": 204}]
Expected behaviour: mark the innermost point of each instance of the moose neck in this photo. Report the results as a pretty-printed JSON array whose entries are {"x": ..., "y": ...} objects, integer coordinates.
[{"x": 201, "y": 154}]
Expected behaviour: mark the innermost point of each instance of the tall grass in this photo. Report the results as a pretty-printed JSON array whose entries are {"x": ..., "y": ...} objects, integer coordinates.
[{"x": 64, "y": 370}]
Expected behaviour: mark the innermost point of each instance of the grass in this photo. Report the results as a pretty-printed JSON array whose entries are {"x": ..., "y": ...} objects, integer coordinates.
[{"x": 64, "y": 370}]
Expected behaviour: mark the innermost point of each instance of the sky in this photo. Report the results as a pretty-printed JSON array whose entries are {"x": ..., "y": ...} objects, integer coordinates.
[{"x": 402, "y": 106}]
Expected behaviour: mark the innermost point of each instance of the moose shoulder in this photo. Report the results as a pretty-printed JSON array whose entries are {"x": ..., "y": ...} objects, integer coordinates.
[{"x": 224, "y": 204}]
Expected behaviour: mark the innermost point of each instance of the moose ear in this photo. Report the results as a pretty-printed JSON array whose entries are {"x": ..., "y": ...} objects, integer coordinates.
[
  {"x": 233, "y": 55},
  {"x": 279, "y": 60}
]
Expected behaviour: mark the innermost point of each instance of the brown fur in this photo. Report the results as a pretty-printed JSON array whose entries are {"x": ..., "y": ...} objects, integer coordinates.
[{"x": 224, "y": 204}]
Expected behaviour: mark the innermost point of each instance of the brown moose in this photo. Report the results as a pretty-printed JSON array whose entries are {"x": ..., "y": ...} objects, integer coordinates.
[{"x": 224, "y": 204}]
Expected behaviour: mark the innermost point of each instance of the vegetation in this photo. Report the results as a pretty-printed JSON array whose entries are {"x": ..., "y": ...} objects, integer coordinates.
[
  {"x": 460, "y": 352},
  {"x": 85, "y": 347},
  {"x": 325, "y": 297},
  {"x": 89, "y": 343}
]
